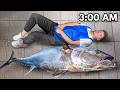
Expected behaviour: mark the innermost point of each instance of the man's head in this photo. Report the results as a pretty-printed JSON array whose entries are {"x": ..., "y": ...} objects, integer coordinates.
[{"x": 99, "y": 35}]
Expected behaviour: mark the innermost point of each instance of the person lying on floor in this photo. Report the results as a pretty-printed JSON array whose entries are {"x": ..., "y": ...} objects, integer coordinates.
[{"x": 74, "y": 33}]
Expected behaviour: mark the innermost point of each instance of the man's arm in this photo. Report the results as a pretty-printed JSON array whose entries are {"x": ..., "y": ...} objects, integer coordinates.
[
  {"x": 60, "y": 28},
  {"x": 67, "y": 38},
  {"x": 68, "y": 24}
]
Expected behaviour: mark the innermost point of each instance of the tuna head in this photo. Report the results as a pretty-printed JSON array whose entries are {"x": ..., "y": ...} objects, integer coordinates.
[
  {"x": 84, "y": 58},
  {"x": 104, "y": 55}
]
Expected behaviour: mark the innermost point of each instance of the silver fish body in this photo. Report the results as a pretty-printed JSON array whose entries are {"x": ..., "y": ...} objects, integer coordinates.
[
  {"x": 82, "y": 59},
  {"x": 48, "y": 58},
  {"x": 55, "y": 59}
]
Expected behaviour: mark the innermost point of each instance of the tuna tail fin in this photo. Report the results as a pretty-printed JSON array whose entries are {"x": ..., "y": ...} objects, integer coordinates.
[
  {"x": 31, "y": 69},
  {"x": 10, "y": 60}
]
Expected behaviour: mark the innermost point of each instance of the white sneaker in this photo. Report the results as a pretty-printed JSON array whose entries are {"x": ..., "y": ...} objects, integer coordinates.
[
  {"x": 18, "y": 36},
  {"x": 18, "y": 44}
]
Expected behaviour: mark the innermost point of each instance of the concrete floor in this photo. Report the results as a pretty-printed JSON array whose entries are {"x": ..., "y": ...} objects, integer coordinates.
[{"x": 12, "y": 22}]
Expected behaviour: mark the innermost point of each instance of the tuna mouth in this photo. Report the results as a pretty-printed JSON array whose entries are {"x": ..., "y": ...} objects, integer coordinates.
[
  {"x": 106, "y": 56},
  {"x": 109, "y": 58}
]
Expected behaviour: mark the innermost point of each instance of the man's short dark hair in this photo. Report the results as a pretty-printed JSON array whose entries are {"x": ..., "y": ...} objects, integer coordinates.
[{"x": 105, "y": 35}]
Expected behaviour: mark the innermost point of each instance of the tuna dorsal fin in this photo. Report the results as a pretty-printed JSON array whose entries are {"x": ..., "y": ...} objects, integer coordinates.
[{"x": 31, "y": 69}]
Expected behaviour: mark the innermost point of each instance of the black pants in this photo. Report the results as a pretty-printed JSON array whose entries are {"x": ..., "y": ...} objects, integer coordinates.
[{"x": 46, "y": 24}]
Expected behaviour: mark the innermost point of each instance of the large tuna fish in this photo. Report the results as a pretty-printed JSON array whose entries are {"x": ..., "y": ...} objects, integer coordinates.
[{"x": 57, "y": 60}]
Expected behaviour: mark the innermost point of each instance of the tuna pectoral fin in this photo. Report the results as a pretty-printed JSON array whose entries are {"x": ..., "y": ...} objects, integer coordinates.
[
  {"x": 57, "y": 73},
  {"x": 31, "y": 69}
]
